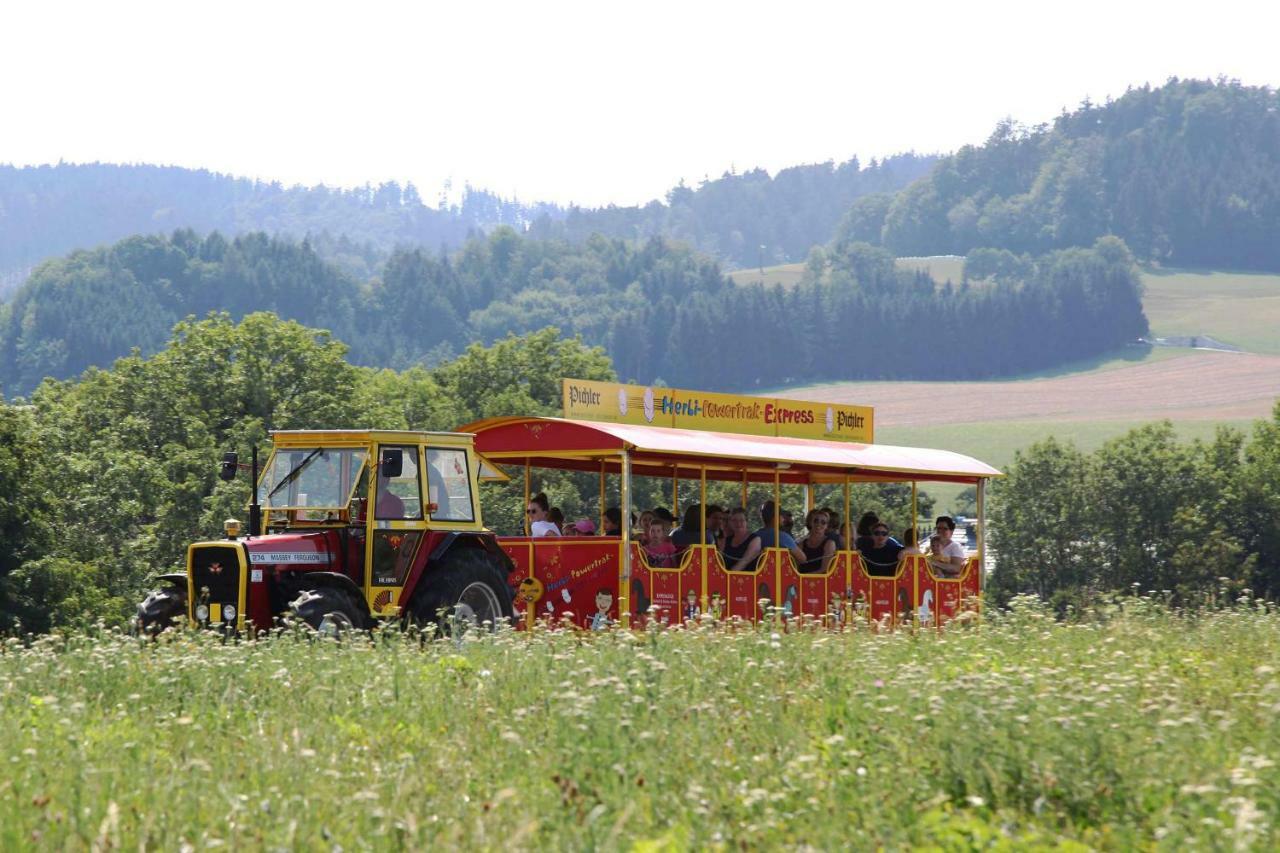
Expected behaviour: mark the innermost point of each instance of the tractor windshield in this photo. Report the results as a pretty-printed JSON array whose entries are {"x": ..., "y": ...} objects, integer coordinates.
[{"x": 312, "y": 478}]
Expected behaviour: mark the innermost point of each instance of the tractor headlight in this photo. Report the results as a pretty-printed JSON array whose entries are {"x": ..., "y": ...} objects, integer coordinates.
[
  {"x": 232, "y": 528},
  {"x": 202, "y": 612},
  {"x": 229, "y": 612}
]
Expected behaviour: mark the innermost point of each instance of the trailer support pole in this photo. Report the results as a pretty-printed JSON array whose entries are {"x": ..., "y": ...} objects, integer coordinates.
[
  {"x": 624, "y": 565},
  {"x": 527, "y": 530},
  {"x": 601, "y": 528}
]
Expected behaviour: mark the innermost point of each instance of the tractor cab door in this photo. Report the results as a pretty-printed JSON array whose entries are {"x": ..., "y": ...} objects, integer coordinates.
[{"x": 396, "y": 525}]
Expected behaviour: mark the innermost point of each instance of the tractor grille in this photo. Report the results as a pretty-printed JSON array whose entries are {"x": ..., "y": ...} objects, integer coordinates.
[{"x": 218, "y": 569}]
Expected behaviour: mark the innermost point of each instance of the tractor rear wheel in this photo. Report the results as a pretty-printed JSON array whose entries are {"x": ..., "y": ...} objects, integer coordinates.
[
  {"x": 465, "y": 591},
  {"x": 328, "y": 610},
  {"x": 162, "y": 608}
]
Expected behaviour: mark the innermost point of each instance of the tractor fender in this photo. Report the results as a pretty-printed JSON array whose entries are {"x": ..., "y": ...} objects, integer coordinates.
[
  {"x": 175, "y": 578},
  {"x": 333, "y": 580},
  {"x": 445, "y": 544}
]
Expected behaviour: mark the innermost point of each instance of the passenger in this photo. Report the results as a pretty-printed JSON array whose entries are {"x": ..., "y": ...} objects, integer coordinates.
[
  {"x": 659, "y": 548},
  {"x": 786, "y": 524},
  {"x": 909, "y": 546},
  {"x": 668, "y": 520},
  {"x": 687, "y": 533},
  {"x": 581, "y": 527},
  {"x": 882, "y": 557},
  {"x": 716, "y": 517},
  {"x": 540, "y": 523},
  {"x": 612, "y": 522},
  {"x": 818, "y": 546},
  {"x": 556, "y": 517},
  {"x": 642, "y": 531},
  {"x": 866, "y": 524},
  {"x": 946, "y": 557},
  {"x": 833, "y": 527},
  {"x": 741, "y": 547},
  {"x": 784, "y": 538}
]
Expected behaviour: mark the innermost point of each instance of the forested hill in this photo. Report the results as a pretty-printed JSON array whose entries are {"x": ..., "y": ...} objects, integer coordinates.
[
  {"x": 659, "y": 309},
  {"x": 46, "y": 211},
  {"x": 748, "y": 219},
  {"x": 1187, "y": 174}
]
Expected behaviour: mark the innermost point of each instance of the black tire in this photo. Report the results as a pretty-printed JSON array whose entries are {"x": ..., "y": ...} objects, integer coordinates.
[
  {"x": 328, "y": 610},
  {"x": 465, "y": 590},
  {"x": 162, "y": 608}
]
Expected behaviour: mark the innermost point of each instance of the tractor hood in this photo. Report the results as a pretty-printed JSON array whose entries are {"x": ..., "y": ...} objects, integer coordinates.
[{"x": 297, "y": 549}]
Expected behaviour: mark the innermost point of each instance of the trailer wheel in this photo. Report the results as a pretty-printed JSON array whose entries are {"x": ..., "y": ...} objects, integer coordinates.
[
  {"x": 162, "y": 608},
  {"x": 328, "y": 610},
  {"x": 467, "y": 590}
]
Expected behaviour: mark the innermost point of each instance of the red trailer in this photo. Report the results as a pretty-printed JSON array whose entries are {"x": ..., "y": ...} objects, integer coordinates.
[{"x": 613, "y": 576}]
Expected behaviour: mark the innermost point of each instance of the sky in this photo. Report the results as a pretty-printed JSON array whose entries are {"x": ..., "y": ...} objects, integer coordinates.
[{"x": 576, "y": 102}]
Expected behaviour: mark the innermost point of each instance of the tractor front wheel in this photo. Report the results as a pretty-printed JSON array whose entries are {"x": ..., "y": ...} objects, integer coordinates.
[
  {"x": 162, "y": 608},
  {"x": 328, "y": 611}
]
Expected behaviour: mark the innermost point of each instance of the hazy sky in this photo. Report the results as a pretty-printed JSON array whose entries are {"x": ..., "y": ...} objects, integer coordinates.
[{"x": 590, "y": 102}]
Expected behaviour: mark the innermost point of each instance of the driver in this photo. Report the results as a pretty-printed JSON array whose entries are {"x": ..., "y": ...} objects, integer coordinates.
[{"x": 389, "y": 505}]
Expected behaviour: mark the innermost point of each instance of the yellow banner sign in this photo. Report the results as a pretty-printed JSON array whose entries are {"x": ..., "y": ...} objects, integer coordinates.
[{"x": 671, "y": 407}]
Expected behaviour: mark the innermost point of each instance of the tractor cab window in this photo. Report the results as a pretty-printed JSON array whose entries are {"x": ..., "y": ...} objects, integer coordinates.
[
  {"x": 399, "y": 495},
  {"x": 319, "y": 480},
  {"x": 449, "y": 484}
]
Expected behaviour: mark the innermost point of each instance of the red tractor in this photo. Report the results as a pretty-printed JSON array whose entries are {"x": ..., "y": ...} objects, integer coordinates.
[{"x": 360, "y": 525}]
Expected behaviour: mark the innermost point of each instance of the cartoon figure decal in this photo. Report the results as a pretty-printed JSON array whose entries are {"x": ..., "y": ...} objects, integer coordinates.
[
  {"x": 600, "y": 620},
  {"x": 691, "y": 609}
]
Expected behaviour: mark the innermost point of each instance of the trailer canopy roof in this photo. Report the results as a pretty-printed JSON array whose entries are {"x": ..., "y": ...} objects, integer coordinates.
[{"x": 665, "y": 452}]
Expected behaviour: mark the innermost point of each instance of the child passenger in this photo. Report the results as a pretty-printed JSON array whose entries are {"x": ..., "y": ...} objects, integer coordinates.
[{"x": 659, "y": 548}]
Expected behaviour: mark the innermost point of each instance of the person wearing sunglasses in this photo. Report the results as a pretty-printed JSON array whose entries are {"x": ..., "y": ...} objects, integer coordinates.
[
  {"x": 882, "y": 557},
  {"x": 538, "y": 512}
]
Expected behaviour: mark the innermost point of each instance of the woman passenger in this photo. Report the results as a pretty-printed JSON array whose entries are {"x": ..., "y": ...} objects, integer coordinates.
[
  {"x": 818, "y": 546},
  {"x": 687, "y": 533},
  {"x": 740, "y": 547},
  {"x": 539, "y": 513},
  {"x": 642, "y": 531},
  {"x": 866, "y": 524}
]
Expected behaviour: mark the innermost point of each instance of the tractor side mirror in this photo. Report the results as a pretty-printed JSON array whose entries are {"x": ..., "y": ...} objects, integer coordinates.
[
  {"x": 392, "y": 462},
  {"x": 230, "y": 462}
]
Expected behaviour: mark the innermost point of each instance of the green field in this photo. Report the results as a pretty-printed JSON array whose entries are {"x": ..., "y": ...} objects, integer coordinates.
[
  {"x": 941, "y": 268},
  {"x": 787, "y": 275},
  {"x": 1143, "y": 730},
  {"x": 1242, "y": 309}
]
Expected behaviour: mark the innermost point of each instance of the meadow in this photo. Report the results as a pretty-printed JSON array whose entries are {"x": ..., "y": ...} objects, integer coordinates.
[{"x": 1138, "y": 727}]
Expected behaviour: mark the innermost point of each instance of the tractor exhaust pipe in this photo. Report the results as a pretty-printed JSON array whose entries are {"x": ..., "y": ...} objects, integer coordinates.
[{"x": 255, "y": 509}]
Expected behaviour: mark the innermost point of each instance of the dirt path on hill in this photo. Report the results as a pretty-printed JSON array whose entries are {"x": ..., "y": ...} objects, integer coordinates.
[{"x": 1200, "y": 386}]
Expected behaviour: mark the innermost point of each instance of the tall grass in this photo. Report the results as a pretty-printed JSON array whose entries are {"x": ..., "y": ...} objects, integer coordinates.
[{"x": 1142, "y": 728}]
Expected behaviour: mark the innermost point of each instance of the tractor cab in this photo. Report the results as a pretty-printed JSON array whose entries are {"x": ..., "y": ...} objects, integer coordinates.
[{"x": 353, "y": 526}]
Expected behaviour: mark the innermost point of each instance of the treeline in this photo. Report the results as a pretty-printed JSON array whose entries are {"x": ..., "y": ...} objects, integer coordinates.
[
  {"x": 105, "y": 480},
  {"x": 1186, "y": 174},
  {"x": 46, "y": 211},
  {"x": 660, "y": 310},
  {"x": 1144, "y": 513},
  {"x": 748, "y": 219}
]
